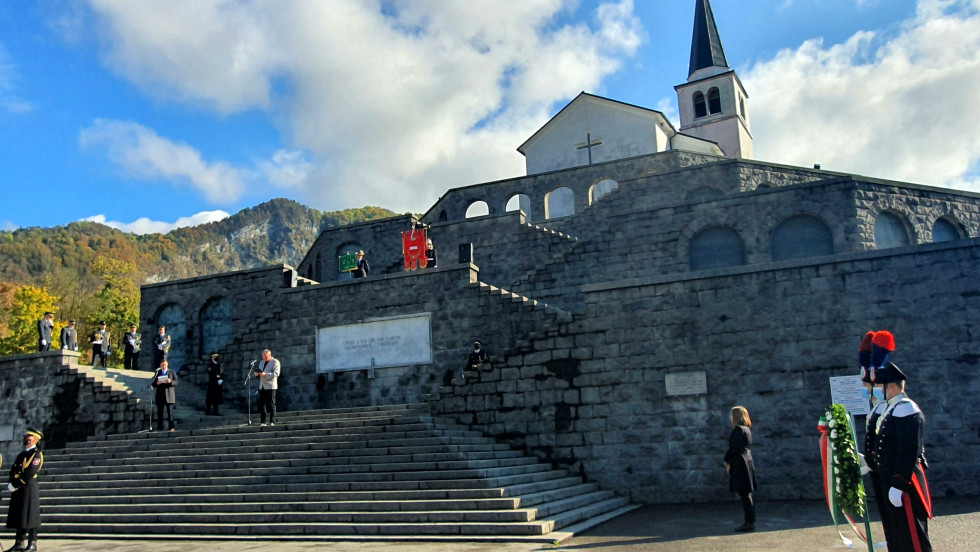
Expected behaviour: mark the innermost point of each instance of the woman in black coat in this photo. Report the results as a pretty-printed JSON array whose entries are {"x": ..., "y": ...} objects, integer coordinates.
[
  {"x": 216, "y": 379},
  {"x": 738, "y": 462}
]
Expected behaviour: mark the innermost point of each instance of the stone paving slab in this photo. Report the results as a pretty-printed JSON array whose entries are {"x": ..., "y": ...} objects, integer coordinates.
[{"x": 783, "y": 526}]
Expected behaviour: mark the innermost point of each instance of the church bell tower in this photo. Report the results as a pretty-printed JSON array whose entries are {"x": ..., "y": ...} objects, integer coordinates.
[{"x": 713, "y": 104}]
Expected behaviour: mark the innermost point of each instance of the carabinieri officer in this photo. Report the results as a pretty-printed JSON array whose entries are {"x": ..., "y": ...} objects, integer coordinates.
[{"x": 24, "y": 514}]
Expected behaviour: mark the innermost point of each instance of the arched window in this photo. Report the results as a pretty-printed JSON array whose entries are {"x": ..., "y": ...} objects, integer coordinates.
[
  {"x": 559, "y": 202},
  {"x": 602, "y": 188},
  {"x": 716, "y": 247},
  {"x": 216, "y": 325},
  {"x": 344, "y": 251},
  {"x": 890, "y": 231},
  {"x": 172, "y": 316},
  {"x": 703, "y": 194},
  {"x": 714, "y": 101},
  {"x": 945, "y": 230},
  {"x": 317, "y": 269},
  {"x": 801, "y": 236},
  {"x": 519, "y": 202},
  {"x": 700, "y": 108},
  {"x": 477, "y": 209},
  {"x": 741, "y": 106},
  {"x": 443, "y": 216}
]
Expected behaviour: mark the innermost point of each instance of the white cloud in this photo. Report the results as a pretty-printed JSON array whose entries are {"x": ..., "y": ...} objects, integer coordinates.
[
  {"x": 287, "y": 169},
  {"x": 393, "y": 101},
  {"x": 146, "y": 226},
  {"x": 9, "y": 101},
  {"x": 901, "y": 107},
  {"x": 8, "y": 226},
  {"x": 146, "y": 155}
]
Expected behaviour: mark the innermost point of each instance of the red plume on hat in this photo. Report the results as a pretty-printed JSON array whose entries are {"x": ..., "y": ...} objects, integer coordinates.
[
  {"x": 864, "y": 357},
  {"x": 882, "y": 346}
]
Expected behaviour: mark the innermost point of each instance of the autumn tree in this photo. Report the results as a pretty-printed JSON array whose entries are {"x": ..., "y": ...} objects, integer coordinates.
[
  {"x": 117, "y": 302},
  {"x": 27, "y": 306}
]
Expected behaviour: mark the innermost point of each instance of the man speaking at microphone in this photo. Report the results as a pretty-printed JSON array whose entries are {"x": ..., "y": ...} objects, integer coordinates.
[{"x": 268, "y": 374}]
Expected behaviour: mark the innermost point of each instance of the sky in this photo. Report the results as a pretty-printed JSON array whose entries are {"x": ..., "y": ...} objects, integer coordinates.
[{"x": 148, "y": 115}]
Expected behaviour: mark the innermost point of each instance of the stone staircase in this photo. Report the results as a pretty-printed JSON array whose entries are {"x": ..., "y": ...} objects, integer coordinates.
[{"x": 375, "y": 473}]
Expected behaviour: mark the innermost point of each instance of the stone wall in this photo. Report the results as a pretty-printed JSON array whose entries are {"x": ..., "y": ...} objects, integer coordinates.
[
  {"x": 380, "y": 239},
  {"x": 590, "y": 394},
  {"x": 43, "y": 390}
]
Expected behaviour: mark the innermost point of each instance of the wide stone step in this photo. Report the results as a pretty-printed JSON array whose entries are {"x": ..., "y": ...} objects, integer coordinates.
[
  {"x": 152, "y": 505},
  {"x": 296, "y": 459},
  {"x": 311, "y": 529},
  {"x": 307, "y": 468},
  {"x": 331, "y": 452},
  {"x": 271, "y": 443},
  {"x": 166, "y": 480},
  {"x": 570, "y": 517},
  {"x": 265, "y": 518},
  {"x": 53, "y": 498}
]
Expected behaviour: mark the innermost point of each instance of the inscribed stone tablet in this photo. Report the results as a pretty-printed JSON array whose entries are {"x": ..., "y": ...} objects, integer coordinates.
[
  {"x": 686, "y": 383},
  {"x": 395, "y": 341}
]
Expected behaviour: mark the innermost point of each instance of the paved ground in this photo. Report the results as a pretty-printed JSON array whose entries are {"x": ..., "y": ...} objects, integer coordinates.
[{"x": 789, "y": 526}]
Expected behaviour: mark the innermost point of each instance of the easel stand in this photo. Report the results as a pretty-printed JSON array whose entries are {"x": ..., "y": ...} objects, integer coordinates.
[{"x": 867, "y": 510}]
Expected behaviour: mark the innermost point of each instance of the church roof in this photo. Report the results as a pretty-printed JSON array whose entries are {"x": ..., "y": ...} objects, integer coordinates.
[
  {"x": 706, "y": 49},
  {"x": 585, "y": 96}
]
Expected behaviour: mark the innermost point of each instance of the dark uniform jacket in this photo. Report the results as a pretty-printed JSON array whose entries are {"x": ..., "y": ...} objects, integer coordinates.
[
  {"x": 430, "y": 258},
  {"x": 165, "y": 391},
  {"x": 132, "y": 342},
  {"x": 103, "y": 336},
  {"x": 160, "y": 353},
  {"x": 25, "y": 502},
  {"x": 215, "y": 375},
  {"x": 69, "y": 339},
  {"x": 44, "y": 334},
  {"x": 741, "y": 471},
  {"x": 362, "y": 268}
]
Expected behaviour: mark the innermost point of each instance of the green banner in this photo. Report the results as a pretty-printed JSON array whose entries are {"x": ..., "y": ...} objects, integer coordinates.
[{"x": 348, "y": 262}]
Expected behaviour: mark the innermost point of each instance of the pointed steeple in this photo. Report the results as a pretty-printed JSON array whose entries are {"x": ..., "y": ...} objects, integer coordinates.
[{"x": 706, "y": 49}]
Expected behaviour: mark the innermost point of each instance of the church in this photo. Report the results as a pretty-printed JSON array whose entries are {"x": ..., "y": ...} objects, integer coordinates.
[{"x": 639, "y": 281}]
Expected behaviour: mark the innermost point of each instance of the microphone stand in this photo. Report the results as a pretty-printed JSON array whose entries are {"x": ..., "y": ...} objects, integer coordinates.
[{"x": 248, "y": 394}]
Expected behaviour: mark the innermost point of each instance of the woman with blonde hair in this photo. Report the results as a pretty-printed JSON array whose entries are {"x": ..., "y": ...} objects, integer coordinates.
[{"x": 738, "y": 462}]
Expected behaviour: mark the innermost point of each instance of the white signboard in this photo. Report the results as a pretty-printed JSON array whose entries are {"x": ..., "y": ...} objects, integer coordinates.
[
  {"x": 395, "y": 341},
  {"x": 686, "y": 383},
  {"x": 850, "y": 392}
]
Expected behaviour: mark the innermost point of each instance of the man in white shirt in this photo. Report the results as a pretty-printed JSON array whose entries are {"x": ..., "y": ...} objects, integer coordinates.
[{"x": 268, "y": 374}]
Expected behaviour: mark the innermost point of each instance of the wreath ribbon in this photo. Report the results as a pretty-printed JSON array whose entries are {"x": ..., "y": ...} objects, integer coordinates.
[{"x": 829, "y": 459}]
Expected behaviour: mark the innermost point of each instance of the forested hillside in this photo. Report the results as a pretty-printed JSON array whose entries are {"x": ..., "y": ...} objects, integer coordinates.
[{"x": 89, "y": 271}]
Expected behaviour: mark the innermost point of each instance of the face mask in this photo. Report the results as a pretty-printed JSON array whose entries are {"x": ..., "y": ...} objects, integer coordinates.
[{"x": 27, "y": 441}]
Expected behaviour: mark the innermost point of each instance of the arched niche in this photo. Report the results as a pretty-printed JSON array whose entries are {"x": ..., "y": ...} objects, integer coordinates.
[
  {"x": 477, "y": 209},
  {"x": 559, "y": 202},
  {"x": 946, "y": 230},
  {"x": 216, "y": 325},
  {"x": 890, "y": 231},
  {"x": 519, "y": 202},
  {"x": 173, "y": 317},
  {"x": 602, "y": 188},
  {"x": 716, "y": 247},
  {"x": 801, "y": 236}
]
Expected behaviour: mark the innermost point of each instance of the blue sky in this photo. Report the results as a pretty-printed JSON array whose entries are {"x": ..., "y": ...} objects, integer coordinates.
[{"x": 152, "y": 114}]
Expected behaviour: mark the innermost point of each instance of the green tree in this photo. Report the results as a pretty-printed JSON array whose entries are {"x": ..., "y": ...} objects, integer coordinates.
[
  {"x": 117, "y": 302},
  {"x": 27, "y": 307}
]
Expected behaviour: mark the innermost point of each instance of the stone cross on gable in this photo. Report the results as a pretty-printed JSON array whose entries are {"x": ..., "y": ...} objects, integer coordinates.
[{"x": 589, "y": 144}]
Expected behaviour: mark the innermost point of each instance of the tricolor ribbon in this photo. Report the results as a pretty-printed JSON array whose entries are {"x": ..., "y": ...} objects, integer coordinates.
[{"x": 829, "y": 459}]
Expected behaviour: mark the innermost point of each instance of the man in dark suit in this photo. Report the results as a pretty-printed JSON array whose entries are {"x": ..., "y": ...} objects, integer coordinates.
[
  {"x": 161, "y": 345},
  {"x": 164, "y": 382},
  {"x": 901, "y": 464},
  {"x": 69, "y": 337},
  {"x": 362, "y": 266},
  {"x": 101, "y": 347},
  {"x": 131, "y": 352},
  {"x": 44, "y": 327},
  {"x": 24, "y": 514}
]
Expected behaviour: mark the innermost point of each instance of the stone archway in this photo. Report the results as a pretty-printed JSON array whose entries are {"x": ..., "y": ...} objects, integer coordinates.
[
  {"x": 173, "y": 317},
  {"x": 217, "y": 328}
]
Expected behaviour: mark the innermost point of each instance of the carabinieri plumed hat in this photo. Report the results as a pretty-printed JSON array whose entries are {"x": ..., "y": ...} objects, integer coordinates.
[
  {"x": 889, "y": 373},
  {"x": 864, "y": 357},
  {"x": 882, "y": 346}
]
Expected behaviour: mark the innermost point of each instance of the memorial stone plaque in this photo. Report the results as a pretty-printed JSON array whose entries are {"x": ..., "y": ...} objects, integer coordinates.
[
  {"x": 686, "y": 383},
  {"x": 393, "y": 341}
]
